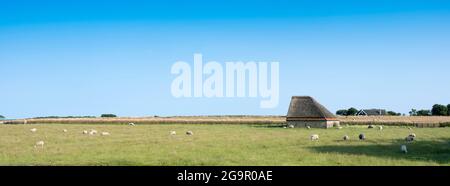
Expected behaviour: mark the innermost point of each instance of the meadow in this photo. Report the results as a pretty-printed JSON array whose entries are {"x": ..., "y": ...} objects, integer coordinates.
[{"x": 219, "y": 144}]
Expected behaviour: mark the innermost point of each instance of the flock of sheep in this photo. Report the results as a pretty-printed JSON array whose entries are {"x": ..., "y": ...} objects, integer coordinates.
[
  {"x": 314, "y": 137},
  {"x": 92, "y": 132},
  {"x": 410, "y": 138}
]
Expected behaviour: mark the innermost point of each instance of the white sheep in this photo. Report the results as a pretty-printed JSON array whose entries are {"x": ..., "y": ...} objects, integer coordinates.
[
  {"x": 39, "y": 144},
  {"x": 308, "y": 127},
  {"x": 173, "y": 133},
  {"x": 189, "y": 133},
  {"x": 64, "y": 130},
  {"x": 93, "y": 132},
  {"x": 314, "y": 137},
  {"x": 105, "y": 134},
  {"x": 412, "y": 135},
  {"x": 380, "y": 128},
  {"x": 33, "y": 130},
  {"x": 404, "y": 149},
  {"x": 409, "y": 128},
  {"x": 131, "y": 124},
  {"x": 339, "y": 127},
  {"x": 291, "y": 126},
  {"x": 409, "y": 139},
  {"x": 346, "y": 138},
  {"x": 85, "y": 132}
]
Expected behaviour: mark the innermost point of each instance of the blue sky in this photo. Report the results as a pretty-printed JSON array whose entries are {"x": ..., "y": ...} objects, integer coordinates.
[{"x": 94, "y": 57}]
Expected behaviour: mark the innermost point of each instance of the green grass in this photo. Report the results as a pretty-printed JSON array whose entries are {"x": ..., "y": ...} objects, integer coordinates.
[{"x": 219, "y": 145}]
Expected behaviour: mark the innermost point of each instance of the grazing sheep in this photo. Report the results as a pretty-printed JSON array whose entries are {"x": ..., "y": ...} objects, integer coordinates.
[
  {"x": 362, "y": 137},
  {"x": 291, "y": 126},
  {"x": 93, "y": 132},
  {"x": 412, "y": 135},
  {"x": 346, "y": 138},
  {"x": 404, "y": 149},
  {"x": 380, "y": 128},
  {"x": 173, "y": 133},
  {"x": 409, "y": 128},
  {"x": 308, "y": 127},
  {"x": 64, "y": 130},
  {"x": 339, "y": 128},
  {"x": 131, "y": 124},
  {"x": 284, "y": 127},
  {"x": 371, "y": 126},
  {"x": 314, "y": 137},
  {"x": 33, "y": 130},
  {"x": 105, "y": 133},
  {"x": 39, "y": 144},
  {"x": 189, "y": 133},
  {"x": 409, "y": 139},
  {"x": 85, "y": 132}
]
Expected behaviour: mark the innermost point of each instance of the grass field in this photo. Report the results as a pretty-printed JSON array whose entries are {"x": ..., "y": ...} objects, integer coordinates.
[{"x": 218, "y": 145}]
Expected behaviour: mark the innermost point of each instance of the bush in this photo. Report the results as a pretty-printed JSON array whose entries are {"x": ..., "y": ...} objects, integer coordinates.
[
  {"x": 439, "y": 110},
  {"x": 423, "y": 113},
  {"x": 108, "y": 116}
]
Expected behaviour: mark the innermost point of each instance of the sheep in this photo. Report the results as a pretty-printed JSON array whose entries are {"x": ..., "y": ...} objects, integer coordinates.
[
  {"x": 314, "y": 137},
  {"x": 362, "y": 137},
  {"x": 105, "y": 133},
  {"x": 371, "y": 126},
  {"x": 85, "y": 132},
  {"x": 284, "y": 127},
  {"x": 131, "y": 124},
  {"x": 346, "y": 138},
  {"x": 339, "y": 128},
  {"x": 291, "y": 126},
  {"x": 412, "y": 135},
  {"x": 409, "y": 128},
  {"x": 409, "y": 138},
  {"x": 64, "y": 130},
  {"x": 39, "y": 144},
  {"x": 404, "y": 149},
  {"x": 173, "y": 133},
  {"x": 33, "y": 130},
  {"x": 93, "y": 132},
  {"x": 189, "y": 133},
  {"x": 380, "y": 128},
  {"x": 308, "y": 127}
]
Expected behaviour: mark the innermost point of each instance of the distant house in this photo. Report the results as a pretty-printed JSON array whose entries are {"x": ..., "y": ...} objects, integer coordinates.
[
  {"x": 371, "y": 112},
  {"x": 305, "y": 111}
]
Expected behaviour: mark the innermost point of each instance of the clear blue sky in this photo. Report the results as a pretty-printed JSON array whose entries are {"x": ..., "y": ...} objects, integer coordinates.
[{"x": 93, "y": 57}]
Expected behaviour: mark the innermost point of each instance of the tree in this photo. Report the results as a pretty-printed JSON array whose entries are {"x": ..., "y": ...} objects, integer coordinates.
[
  {"x": 413, "y": 112},
  {"x": 439, "y": 110},
  {"x": 108, "y": 116},
  {"x": 423, "y": 113},
  {"x": 448, "y": 110},
  {"x": 342, "y": 112},
  {"x": 352, "y": 111},
  {"x": 2, "y": 117}
]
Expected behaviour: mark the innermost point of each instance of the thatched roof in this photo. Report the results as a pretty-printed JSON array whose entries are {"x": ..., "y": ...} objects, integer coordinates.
[{"x": 306, "y": 108}]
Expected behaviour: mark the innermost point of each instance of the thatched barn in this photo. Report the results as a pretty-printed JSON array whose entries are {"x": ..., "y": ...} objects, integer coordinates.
[{"x": 305, "y": 111}]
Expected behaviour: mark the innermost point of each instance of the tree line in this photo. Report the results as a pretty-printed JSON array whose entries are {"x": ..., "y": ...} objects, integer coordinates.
[{"x": 436, "y": 110}]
